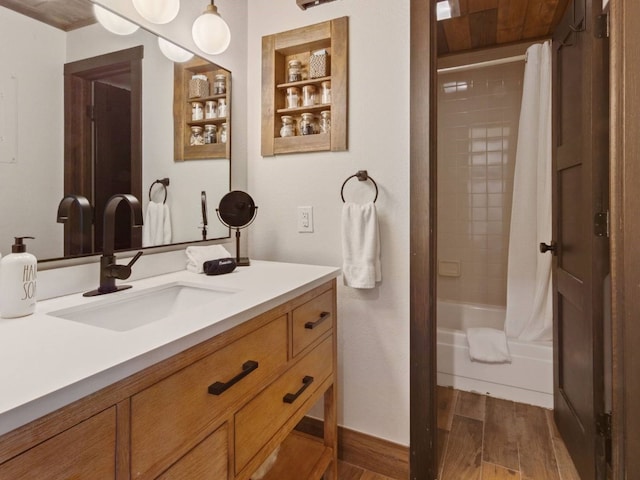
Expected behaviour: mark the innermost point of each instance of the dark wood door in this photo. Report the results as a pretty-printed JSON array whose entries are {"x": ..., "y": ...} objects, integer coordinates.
[{"x": 580, "y": 261}]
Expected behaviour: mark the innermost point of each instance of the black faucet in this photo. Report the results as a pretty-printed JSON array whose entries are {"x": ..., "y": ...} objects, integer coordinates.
[
  {"x": 109, "y": 269},
  {"x": 85, "y": 220}
]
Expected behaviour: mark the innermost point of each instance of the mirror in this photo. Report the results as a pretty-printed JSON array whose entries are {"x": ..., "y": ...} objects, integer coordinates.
[{"x": 32, "y": 136}]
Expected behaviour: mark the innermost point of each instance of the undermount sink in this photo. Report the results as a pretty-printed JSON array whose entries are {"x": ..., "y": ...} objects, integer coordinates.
[{"x": 132, "y": 309}]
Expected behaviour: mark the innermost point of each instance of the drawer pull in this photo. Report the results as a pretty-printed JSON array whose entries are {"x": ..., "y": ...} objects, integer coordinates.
[
  {"x": 292, "y": 397},
  {"x": 312, "y": 325},
  {"x": 218, "y": 388}
]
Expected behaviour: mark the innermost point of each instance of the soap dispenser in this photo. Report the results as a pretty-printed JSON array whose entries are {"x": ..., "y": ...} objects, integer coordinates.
[{"x": 18, "y": 272}]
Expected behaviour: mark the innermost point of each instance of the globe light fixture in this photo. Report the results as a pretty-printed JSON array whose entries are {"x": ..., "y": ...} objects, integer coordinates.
[
  {"x": 112, "y": 22},
  {"x": 173, "y": 52},
  {"x": 210, "y": 32},
  {"x": 157, "y": 11}
]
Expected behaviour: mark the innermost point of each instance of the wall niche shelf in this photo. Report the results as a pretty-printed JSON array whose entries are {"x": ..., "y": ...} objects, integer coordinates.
[
  {"x": 277, "y": 50},
  {"x": 182, "y": 119}
]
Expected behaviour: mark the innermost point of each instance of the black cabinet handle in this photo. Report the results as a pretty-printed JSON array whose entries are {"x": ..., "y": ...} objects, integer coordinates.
[
  {"x": 292, "y": 397},
  {"x": 553, "y": 247},
  {"x": 220, "y": 387},
  {"x": 312, "y": 325}
]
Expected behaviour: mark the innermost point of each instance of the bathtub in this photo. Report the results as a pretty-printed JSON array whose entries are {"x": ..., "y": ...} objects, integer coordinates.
[{"x": 527, "y": 379}]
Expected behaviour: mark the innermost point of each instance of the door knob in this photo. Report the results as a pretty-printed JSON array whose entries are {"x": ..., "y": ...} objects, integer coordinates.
[{"x": 548, "y": 248}]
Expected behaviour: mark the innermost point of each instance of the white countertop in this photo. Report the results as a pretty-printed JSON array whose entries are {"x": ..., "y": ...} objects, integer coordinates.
[{"x": 48, "y": 362}]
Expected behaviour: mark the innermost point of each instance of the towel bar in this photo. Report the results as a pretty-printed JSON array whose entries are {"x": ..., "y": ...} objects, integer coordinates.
[
  {"x": 362, "y": 176},
  {"x": 165, "y": 183}
]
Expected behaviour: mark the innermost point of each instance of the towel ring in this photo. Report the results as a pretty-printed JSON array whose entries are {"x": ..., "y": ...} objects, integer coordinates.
[
  {"x": 362, "y": 176},
  {"x": 165, "y": 183}
]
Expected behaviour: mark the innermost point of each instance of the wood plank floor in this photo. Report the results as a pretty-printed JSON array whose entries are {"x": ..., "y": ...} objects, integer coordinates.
[{"x": 485, "y": 438}]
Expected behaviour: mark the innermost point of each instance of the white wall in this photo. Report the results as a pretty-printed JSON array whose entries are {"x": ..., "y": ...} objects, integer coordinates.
[
  {"x": 373, "y": 325},
  {"x": 31, "y": 127},
  {"x": 188, "y": 178}
]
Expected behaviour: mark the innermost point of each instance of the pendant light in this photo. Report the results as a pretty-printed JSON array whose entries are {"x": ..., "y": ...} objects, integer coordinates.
[
  {"x": 173, "y": 52},
  {"x": 112, "y": 22},
  {"x": 157, "y": 11},
  {"x": 210, "y": 32}
]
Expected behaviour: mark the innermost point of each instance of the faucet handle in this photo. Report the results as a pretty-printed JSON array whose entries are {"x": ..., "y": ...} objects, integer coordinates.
[{"x": 134, "y": 259}]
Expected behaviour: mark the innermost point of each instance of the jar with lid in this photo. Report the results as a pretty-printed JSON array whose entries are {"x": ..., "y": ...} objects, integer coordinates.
[
  {"x": 222, "y": 108},
  {"x": 294, "y": 71},
  {"x": 210, "y": 109},
  {"x": 224, "y": 133},
  {"x": 220, "y": 84},
  {"x": 198, "y": 86},
  {"x": 293, "y": 97},
  {"x": 196, "y": 136},
  {"x": 307, "y": 126},
  {"x": 288, "y": 128},
  {"x": 210, "y": 134},
  {"x": 325, "y": 121},
  {"x": 197, "y": 112},
  {"x": 309, "y": 95},
  {"x": 325, "y": 92}
]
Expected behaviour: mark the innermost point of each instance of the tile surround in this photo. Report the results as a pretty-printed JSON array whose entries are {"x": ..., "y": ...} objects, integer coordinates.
[{"x": 478, "y": 113}]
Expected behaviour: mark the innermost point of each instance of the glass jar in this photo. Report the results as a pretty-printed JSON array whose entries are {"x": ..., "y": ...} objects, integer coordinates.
[
  {"x": 197, "y": 112},
  {"x": 224, "y": 133},
  {"x": 222, "y": 108},
  {"x": 210, "y": 134},
  {"x": 210, "y": 109},
  {"x": 307, "y": 124},
  {"x": 220, "y": 84},
  {"x": 325, "y": 121},
  {"x": 288, "y": 128},
  {"x": 293, "y": 97},
  {"x": 309, "y": 95},
  {"x": 325, "y": 92},
  {"x": 294, "y": 71},
  {"x": 196, "y": 136}
]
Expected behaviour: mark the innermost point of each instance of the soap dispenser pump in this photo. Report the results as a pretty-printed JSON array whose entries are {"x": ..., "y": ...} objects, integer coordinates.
[{"x": 18, "y": 272}]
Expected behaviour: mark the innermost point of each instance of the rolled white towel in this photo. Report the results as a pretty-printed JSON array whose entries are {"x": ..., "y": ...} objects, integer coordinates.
[
  {"x": 488, "y": 345},
  {"x": 196, "y": 256}
]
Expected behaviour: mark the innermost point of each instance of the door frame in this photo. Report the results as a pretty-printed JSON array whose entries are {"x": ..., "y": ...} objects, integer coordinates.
[
  {"x": 625, "y": 230},
  {"x": 625, "y": 256},
  {"x": 423, "y": 449}
]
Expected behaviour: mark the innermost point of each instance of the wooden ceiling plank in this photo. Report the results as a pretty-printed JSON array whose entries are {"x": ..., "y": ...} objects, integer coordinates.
[
  {"x": 512, "y": 16},
  {"x": 62, "y": 14},
  {"x": 539, "y": 18},
  {"x": 561, "y": 8},
  {"x": 457, "y": 33},
  {"x": 482, "y": 5},
  {"x": 483, "y": 27}
]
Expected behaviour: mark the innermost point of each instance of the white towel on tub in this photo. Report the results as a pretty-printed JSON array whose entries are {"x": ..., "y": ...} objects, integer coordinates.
[
  {"x": 488, "y": 345},
  {"x": 360, "y": 245}
]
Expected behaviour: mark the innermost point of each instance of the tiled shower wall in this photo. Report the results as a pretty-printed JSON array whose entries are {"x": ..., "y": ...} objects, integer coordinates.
[{"x": 478, "y": 113}]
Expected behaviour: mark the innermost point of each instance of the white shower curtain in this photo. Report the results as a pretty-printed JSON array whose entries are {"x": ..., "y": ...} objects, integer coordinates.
[{"x": 529, "y": 295}]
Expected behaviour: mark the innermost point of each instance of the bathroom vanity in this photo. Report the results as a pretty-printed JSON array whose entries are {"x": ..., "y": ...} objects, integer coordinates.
[{"x": 207, "y": 391}]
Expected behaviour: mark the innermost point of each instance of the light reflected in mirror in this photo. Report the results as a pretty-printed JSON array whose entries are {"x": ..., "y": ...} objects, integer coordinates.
[{"x": 38, "y": 165}]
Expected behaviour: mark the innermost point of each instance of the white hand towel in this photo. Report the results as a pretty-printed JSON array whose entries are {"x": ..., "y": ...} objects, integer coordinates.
[
  {"x": 488, "y": 345},
  {"x": 198, "y": 255},
  {"x": 360, "y": 245},
  {"x": 157, "y": 225}
]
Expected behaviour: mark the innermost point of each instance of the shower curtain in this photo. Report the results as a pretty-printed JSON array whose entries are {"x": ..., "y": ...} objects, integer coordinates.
[{"x": 529, "y": 295}]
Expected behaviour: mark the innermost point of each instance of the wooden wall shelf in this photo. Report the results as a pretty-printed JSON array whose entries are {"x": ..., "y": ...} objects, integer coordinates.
[
  {"x": 182, "y": 120},
  {"x": 277, "y": 50}
]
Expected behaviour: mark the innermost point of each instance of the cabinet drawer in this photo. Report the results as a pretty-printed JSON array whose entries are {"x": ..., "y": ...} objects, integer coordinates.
[
  {"x": 207, "y": 460},
  {"x": 167, "y": 417},
  {"x": 261, "y": 418},
  {"x": 312, "y": 320},
  {"x": 87, "y": 450}
]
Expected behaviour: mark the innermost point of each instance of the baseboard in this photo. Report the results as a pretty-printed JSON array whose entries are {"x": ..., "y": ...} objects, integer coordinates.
[{"x": 365, "y": 451}]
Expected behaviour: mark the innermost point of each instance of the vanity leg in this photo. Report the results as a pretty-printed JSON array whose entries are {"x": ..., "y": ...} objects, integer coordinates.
[{"x": 331, "y": 430}]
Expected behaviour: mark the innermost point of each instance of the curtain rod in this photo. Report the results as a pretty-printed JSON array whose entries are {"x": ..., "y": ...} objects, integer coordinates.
[{"x": 488, "y": 63}]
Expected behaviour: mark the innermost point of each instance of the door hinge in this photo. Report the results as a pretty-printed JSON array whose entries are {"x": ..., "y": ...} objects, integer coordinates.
[
  {"x": 602, "y": 26},
  {"x": 601, "y": 224},
  {"x": 603, "y": 425},
  {"x": 90, "y": 112}
]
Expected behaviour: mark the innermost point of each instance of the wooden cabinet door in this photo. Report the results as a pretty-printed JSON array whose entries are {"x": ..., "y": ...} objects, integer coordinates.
[
  {"x": 581, "y": 260},
  {"x": 87, "y": 450}
]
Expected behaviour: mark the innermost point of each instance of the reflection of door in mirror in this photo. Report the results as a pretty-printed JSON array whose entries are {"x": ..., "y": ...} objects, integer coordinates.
[{"x": 103, "y": 143}]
